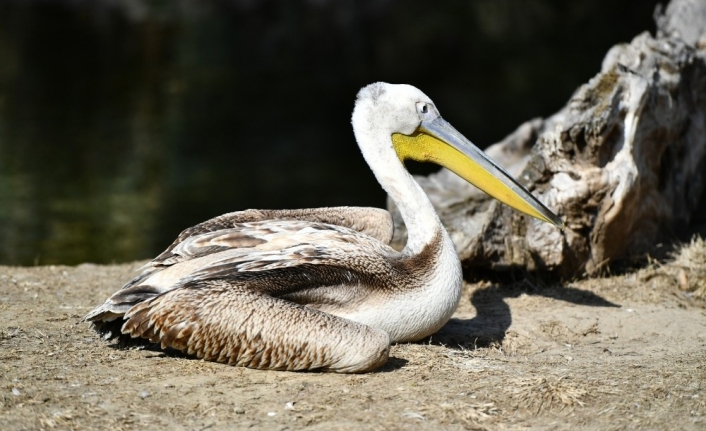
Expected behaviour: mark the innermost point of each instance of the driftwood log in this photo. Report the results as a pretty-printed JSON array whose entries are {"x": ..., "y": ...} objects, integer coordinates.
[{"x": 623, "y": 163}]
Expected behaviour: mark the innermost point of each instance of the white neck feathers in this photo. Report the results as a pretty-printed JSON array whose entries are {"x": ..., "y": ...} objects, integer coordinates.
[{"x": 372, "y": 124}]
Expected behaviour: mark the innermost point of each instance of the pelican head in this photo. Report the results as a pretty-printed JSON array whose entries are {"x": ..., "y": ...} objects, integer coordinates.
[{"x": 400, "y": 122}]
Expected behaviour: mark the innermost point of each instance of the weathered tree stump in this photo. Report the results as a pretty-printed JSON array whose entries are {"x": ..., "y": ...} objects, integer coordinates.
[{"x": 623, "y": 163}]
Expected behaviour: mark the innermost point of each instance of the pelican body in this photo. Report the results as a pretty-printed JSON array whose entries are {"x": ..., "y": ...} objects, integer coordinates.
[{"x": 319, "y": 289}]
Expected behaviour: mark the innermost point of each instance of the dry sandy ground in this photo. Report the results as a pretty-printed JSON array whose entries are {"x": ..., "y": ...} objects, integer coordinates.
[{"x": 620, "y": 352}]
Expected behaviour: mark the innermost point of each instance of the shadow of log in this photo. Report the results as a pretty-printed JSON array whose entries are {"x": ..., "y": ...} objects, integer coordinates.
[{"x": 493, "y": 318}]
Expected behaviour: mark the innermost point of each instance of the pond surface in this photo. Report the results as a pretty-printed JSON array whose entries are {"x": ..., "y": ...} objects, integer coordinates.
[{"x": 121, "y": 123}]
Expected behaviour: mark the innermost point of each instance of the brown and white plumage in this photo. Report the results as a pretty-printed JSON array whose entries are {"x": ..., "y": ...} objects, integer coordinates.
[{"x": 316, "y": 288}]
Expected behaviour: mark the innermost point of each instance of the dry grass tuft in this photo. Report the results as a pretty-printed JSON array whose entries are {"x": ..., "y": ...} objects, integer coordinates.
[
  {"x": 57, "y": 420},
  {"x": 685, "y": 270},
  {"x": 689, "y": 267},
  {"x": 516, "y": 344},
  {"x": 545, "y": 393},
  {"x": 470, "y": 415}
]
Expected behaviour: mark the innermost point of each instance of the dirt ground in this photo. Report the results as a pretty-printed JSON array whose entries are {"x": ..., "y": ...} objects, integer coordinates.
[{"x": 626, "y": 351}]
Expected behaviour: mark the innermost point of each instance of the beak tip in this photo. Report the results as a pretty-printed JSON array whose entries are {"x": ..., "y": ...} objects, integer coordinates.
[{"x": 559, "y": 222}]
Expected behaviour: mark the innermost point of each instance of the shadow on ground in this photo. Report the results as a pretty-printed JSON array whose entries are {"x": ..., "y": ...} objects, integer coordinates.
[{"x": 493, "y": 316}]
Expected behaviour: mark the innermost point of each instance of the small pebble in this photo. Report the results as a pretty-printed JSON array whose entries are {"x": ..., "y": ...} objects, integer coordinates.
[
  {"x": 270, "y": 414},
  {"x": 239, "y": 410},
  {"x": 16, "y": 392},
  {"x": 144, "y": 394},
  {"x": 289, "y": 406}
]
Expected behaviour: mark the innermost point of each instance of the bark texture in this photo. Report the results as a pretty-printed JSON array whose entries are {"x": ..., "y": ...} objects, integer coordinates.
[{"x": 623, "y": 163}]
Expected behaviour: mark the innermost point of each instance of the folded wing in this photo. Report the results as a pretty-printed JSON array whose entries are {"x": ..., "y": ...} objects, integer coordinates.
[{"x": 231, "y": 295}]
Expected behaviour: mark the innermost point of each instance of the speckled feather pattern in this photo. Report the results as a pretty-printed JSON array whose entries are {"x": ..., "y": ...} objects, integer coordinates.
[
  {"x": 374, "y": 222},
  {"x": 223, "y": 321}
]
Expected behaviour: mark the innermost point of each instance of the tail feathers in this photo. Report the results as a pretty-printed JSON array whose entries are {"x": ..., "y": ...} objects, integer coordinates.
[
  {"x": 106, "y": 312},
  {"x": 108, "y": 317}
]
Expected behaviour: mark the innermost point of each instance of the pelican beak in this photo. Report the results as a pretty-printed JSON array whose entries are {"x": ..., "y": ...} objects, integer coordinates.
[{"x": 438, "y": 142}]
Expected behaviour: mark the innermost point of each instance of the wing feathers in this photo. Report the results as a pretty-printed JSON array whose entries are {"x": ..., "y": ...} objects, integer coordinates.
[
  {"x": 220, "y": 321},
  {"x": 373, "y": 222}
]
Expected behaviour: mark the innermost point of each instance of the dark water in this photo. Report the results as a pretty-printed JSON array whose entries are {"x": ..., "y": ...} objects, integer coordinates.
[{"x": 121, "y": 123}]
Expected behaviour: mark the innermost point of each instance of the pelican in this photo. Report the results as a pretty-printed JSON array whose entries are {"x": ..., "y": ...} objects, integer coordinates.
[{"x": 319, "y": 289}]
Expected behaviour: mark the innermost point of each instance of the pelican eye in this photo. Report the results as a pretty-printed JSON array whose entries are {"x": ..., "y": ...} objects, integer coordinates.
[{"x": 425, "y": 109}]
